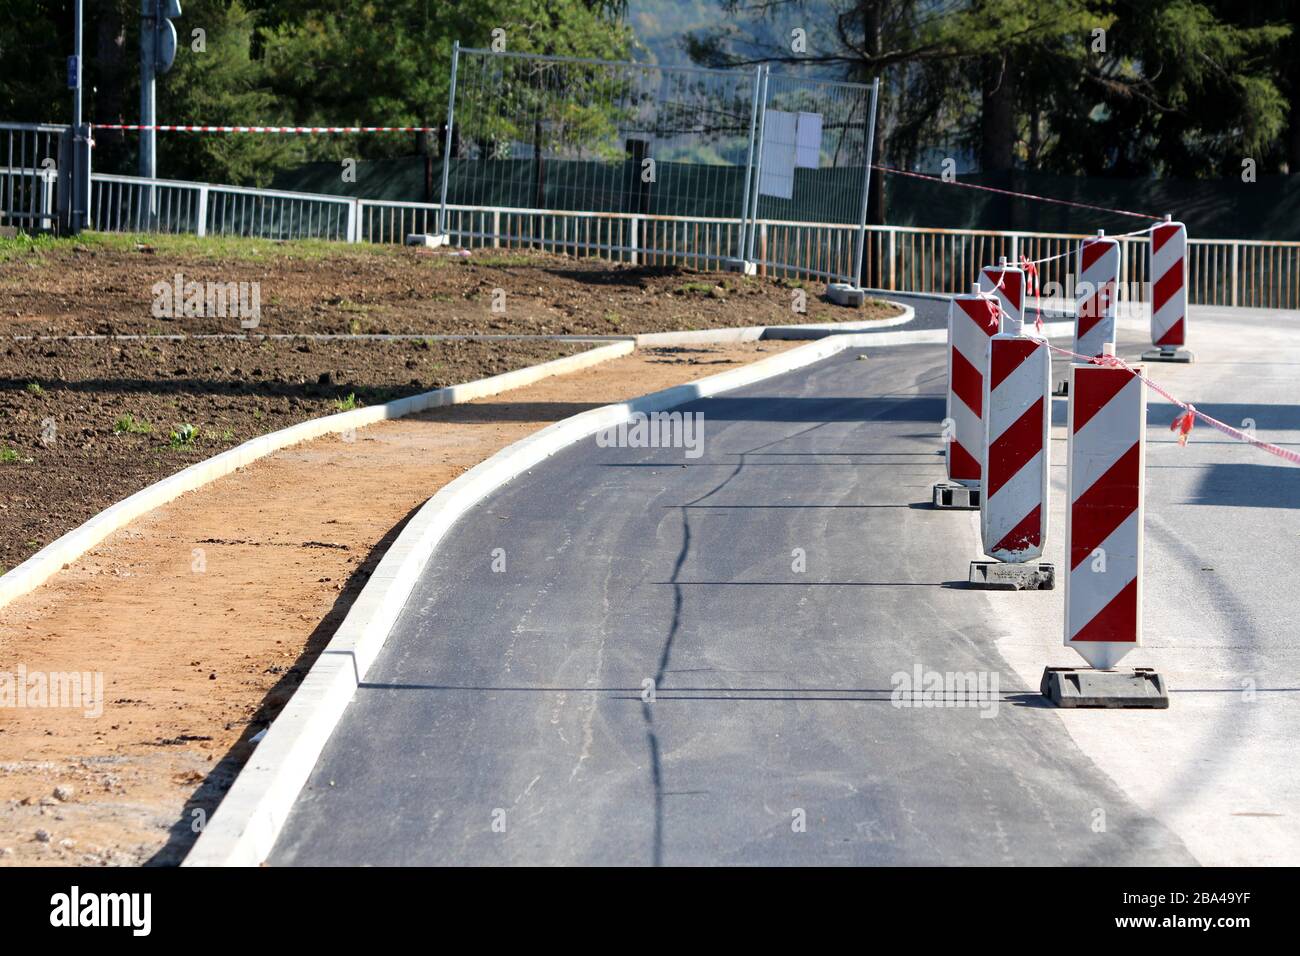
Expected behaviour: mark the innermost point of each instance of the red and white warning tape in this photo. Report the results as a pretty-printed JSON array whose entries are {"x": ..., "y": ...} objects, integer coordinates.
[
  {"x": 1011, "y": 192},
  {"x": 270, "y": 129},
  {"x": 1183, "y": 423},
  {"x": 1007, "y": 283}
]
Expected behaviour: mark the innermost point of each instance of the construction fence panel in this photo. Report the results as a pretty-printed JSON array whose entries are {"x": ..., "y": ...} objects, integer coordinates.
[
  {"x": 652, "y": 149},
  {"x": 812, "y": 170}
]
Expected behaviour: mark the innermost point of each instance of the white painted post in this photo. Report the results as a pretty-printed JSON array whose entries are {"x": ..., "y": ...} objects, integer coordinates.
[
  {"x": 1235, "y": 247},
  {"x": 893, "y": 279},
  {"x": 201, "y": 216}
]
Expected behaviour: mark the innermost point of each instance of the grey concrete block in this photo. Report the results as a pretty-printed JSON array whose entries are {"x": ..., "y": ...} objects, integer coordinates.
[
  {"x": 1169, "y": 355},
  {"x": 841, "y": 293},
  {"x": 950, "y": 494},
  {"x": 1085, "y": 687},
  {"x": 743, "y": 266},
  {"x": 1009, "y": 576},
  {"x": 427, "y": 239}
]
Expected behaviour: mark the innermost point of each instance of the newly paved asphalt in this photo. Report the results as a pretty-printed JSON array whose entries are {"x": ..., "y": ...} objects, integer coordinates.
[{"x": 505, "y": 721}]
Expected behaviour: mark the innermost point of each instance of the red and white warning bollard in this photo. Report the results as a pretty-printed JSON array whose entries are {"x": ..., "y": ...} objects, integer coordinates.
[
  {"x": 1013, "y": 494},
  {"x": 972, "y": 319},
  {"x": 1103, "y": 541},
  {"x": 1168, "y": 274},
  {"x": 1096, "y": 293},
  {"x": 1008, "y": 284}
]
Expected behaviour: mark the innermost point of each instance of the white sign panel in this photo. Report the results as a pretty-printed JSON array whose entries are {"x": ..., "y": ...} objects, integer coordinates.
[
  {"x": 808, "y": 141},
  {"x": 780, "y": 132}
]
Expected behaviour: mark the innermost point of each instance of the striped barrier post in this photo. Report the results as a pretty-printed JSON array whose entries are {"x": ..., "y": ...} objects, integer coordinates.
[
  {"x": 1098, "y": 270},
  {"x": 972, "y": 319},
  {"x": 1168, "y": 274},
  {"x": 1103, "y": 529},
  {"x": 1103, "y": 541},
  {"x": 1008, "y": 284},
  {"x": 1013, "y": 493}
]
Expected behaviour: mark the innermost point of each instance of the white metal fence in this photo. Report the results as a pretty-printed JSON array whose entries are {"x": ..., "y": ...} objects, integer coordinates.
[
  {"x": 129, "y": 203},
  {"x": 1229, "y": 272},
  {"x": 29, "y": 158}
]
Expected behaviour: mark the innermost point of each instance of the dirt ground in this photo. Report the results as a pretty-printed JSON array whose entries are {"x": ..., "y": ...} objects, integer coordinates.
[
  {"x": 106, "y": 285},
  {"x": 84, "y": 424},
  {"x": 202, "y": 617}
]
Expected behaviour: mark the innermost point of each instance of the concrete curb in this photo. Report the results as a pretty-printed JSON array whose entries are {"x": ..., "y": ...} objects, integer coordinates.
[
  {"x": 41, "y": 566},
  {"x": 245, "y": 826},
  {"x": 939, "y": 336},
  {"x": 752, "y": 333}
]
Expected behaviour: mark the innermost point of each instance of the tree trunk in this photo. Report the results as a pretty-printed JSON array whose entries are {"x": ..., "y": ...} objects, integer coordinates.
[
  {"x": 998, "y": 119},
  {"x": 1293, "y": 111},
  {"x": 104, "y": 96},
  {"x": 424, "y": 150}
]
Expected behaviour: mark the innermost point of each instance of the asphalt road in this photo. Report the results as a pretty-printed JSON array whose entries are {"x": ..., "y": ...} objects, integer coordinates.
[
  {"x": 506, "y": 719},
  {"x": 931, "y": 313}
]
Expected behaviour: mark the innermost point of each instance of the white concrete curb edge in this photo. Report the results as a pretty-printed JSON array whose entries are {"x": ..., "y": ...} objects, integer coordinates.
[
  {"x": 752, "y": 333},
  {"x": 41, "y": 566},
  {"x": 933, "y": 336},
  {"x": 245, "y": 826}
]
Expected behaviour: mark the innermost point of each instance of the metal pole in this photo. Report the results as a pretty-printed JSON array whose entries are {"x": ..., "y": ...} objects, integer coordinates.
[
  {"x": 148, "y": 23},
  {"x": 148, "y": 70},
  {"x": 758, "y": 165},
  {"x": 79, "y": 171},
  {"x": 446, "y": 146},
  {"x": 76, "y": 52},
  {"x": 749, "y": 162},
  {"x": 866, "y": 184}
]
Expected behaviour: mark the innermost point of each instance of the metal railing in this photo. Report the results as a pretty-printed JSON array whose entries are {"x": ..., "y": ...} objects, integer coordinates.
[
  {"x": 1227, "y": 272},
  {"x": 130, "y": 203},
  {"x": 29, "y": 158}
]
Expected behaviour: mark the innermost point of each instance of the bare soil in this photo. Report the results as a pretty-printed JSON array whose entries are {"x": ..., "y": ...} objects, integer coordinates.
[
  {"x": 107, "y": 287},
  {"x": 87, "y": 422},
  {"x": 84, "y": 424},
  {"x": 203, "y": 616}
]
